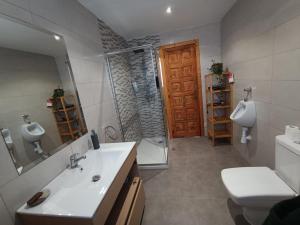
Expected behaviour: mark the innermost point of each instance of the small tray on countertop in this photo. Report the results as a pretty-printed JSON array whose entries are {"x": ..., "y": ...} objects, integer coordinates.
[{"x": 38, "y": 198}]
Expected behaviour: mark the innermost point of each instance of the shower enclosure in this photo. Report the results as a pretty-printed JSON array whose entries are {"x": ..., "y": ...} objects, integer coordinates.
[{"x": 136, "y": 89}]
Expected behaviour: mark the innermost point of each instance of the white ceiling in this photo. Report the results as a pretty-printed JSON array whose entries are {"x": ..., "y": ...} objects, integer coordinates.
[
  {"x": 136, "y": 18},
  {"x": 20, "y": 37}
]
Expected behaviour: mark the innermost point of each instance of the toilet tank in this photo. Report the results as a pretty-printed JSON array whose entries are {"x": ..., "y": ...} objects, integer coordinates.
[{"x": 287, "y": 161}]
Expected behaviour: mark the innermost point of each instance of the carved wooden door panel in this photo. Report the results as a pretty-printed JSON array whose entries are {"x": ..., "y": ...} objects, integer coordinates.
[{"x": 183, "y": 91}]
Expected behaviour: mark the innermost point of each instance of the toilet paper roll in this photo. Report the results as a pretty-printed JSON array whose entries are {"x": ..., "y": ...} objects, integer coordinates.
[{"x": 293, "y": 132}]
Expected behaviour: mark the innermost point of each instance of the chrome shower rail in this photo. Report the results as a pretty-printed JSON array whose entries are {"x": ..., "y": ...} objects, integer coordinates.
[{"x": 129, "y": 49}]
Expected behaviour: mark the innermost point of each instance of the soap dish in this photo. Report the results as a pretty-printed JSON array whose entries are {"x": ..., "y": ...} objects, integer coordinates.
[{"x": 38, "y": 198}]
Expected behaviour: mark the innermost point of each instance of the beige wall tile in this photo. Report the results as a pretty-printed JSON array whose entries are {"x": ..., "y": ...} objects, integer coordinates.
[
  {"x": 18, "y": 191},
  {"x": 12, "y": 11},
  {"x": 287, "y": 65},
  {"x": 7, "y": 168},
  {"x": 282, "y": 116},
  {"x": 80, "y": 145},
  {"x": 21, "y": 3},
  {"x": 4, "y": 215},
  {"x": 86, "y": 71},
  {"x": 261, "y": 89},
  {"x": 260, "y": 46},
  {"x": 263, "y": 111},
  {"x": 92, "y": 115},
  {"x": 263, "y": 52},
  {"x": 287, "y": 36},
  {"x": 260, "y": 69},
  {"x": 284, "y": 93},
  {"x": 89, "y": 93}
]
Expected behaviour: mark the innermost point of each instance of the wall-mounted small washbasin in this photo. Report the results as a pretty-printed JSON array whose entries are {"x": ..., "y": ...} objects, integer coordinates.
[
  {"x": 244, "y": 115},
  {"x": 32, "y": 132}
]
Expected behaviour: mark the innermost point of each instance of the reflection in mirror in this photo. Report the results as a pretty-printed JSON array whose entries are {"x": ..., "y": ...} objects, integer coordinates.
[{"x": 40, "y": 112}]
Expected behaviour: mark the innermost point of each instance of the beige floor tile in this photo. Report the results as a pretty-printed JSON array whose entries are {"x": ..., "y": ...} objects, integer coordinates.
[{"x": 190, "y": 191}]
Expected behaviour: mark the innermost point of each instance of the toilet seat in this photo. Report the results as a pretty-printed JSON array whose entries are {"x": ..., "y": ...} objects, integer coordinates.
[{"x": 255, "y": 186}]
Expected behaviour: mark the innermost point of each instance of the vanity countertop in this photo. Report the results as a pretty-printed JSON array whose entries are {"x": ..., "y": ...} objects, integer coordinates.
[{"x": 73, "y": 194}]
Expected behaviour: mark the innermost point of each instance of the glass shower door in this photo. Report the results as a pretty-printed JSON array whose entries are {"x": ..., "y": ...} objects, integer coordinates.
[{"x": 137, "y": 96}]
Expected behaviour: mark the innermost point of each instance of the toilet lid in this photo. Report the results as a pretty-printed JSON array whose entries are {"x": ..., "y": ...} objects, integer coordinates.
[{"x": 255, "y": 184}]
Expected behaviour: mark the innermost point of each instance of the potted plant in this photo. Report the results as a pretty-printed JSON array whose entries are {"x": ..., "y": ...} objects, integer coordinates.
[{"x": 219, "y": 80}]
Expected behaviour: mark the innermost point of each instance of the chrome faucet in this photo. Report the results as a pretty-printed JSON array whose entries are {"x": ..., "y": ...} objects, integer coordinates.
[{"x": 74, "y": 159}]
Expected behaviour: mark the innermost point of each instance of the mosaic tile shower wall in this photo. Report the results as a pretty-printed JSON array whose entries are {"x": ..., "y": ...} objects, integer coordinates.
[
  {"x": 120, "y": 71},
  {"x": 110, "y": 40},
  {"x": 148, "y": 95},
  {"x": 140, "y": 108}
]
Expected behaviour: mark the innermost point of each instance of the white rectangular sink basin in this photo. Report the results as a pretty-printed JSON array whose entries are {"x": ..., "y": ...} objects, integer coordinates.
[{"x": 73, "y": 193}]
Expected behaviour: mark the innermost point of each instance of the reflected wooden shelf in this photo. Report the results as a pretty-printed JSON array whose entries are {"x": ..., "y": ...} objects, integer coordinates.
[
  {"x": 64, "y": 110},
  {"x": 220, "y": 133},
  {"x": 219, "y": 120},
  {"x": 67, "y": 117},
  {"x": 70, "y": 134},
  {"x": 217, "y": 106},
  {"x": 218, "y": 91},
  {"x": 66, "y": 122}
]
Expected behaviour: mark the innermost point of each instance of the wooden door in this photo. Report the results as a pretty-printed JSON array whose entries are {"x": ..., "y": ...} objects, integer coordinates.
[{"x": 182, "y": 89}]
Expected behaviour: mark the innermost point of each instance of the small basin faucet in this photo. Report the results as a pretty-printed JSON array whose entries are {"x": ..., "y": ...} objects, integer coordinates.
[
  {"x": 248, "y": 90},
  {"x": 74, "y": 159},
  {"x": 26, "y": 118}
]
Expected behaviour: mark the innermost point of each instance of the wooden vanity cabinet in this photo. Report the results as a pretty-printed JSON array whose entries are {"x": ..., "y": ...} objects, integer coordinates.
[
  {"x": 123, "y": 203},
  {"x": 129, "y": 206}
]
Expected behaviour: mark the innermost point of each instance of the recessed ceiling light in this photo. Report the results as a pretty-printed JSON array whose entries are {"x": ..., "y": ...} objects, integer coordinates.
[
  {"x": 169, "y": 10},
  {"x": 56, "y": 37}
]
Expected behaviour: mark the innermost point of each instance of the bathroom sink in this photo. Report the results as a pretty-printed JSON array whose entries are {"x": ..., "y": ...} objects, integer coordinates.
[
  {"x": 73, "y": 193},
  {"x": 32, "y": 132}
]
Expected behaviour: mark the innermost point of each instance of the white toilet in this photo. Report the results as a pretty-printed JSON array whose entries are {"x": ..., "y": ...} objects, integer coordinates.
[{"x": 257, "y": 189}]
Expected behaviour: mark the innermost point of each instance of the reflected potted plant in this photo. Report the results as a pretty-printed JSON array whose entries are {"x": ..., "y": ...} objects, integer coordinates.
[
  {"x": 57, "y": 93},
  {"x": 219, "y": 80}
]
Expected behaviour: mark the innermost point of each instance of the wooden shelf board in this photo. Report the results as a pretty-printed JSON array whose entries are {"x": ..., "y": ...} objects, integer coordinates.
[
  {"x": 69, "y": 134},
  {"x": 62, "y": 110},
  {"x": 219, "y": 120},
  {"x": 63, "y": 122},
  {"x": 66, "y": 122},
  {"x": 65, "y": 134},
  {"x": 219, "y": 91},
  {"x": 219, "y": 106},
  {"x": 220, "y": 134}
]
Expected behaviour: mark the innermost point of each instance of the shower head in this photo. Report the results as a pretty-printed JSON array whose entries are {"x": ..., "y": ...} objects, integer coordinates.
[{"x": 136, "y": 51}]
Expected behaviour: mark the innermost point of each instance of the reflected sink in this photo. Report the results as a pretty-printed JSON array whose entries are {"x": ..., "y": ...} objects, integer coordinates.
[
  {"x": 32, "y": 132},
  {"x": 73, "y": 193}
]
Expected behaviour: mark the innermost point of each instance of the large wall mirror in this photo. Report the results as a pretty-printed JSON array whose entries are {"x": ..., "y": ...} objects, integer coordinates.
[{"x": 40, "y": 111}]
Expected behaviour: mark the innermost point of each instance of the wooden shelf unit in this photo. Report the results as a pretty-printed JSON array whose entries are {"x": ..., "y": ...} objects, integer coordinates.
[
  {"x": 67, "y": 116},
  {"x": 219, "y": 108}
]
